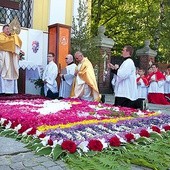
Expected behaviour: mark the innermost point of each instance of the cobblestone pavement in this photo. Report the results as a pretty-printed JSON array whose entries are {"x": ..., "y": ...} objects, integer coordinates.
[{"x": 14, "y": 156}]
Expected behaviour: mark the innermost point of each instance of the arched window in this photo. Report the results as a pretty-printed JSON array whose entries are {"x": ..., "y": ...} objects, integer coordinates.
[{"x": 20, "y": 8}]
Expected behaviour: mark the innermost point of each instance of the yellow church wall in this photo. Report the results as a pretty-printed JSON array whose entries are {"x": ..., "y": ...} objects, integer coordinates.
[
  {"x": 41, "y": 14},
  {"x": 69, "y": 12}
]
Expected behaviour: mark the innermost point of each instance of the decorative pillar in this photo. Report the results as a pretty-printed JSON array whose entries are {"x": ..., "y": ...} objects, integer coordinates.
[
  {"x": 59, "y": 42},
  {"x": 105, "y": 44},
  {"x": 146, "y": 56}
]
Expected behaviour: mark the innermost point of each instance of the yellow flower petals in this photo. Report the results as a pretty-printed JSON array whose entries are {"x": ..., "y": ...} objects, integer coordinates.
[{"x": 85, "y": 122}]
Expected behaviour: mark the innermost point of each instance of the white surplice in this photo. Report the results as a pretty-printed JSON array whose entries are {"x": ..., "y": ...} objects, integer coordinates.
[
  {"x": 126, "y": 85},
  {"x": 66, "y": 83},
  {"x": 142, "y": 89},
  {"x": 50, "y": 74},
  {"x": 167, "y": 84},
  {"x": 156, "y": 86}
]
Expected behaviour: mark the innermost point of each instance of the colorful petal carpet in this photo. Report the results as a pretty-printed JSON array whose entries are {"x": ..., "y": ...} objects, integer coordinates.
[{"x": 87, "y": 135}]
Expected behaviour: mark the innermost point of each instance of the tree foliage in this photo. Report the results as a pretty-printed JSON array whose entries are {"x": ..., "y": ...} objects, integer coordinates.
[
  {"x": 81, "y": 37},
  {"x": 133, "y": 22}
]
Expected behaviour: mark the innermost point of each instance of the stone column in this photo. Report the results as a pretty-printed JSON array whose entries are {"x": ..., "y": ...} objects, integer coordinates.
[
  {"x": 146, "y": 56},
  {"x": 105, "y": 44}
]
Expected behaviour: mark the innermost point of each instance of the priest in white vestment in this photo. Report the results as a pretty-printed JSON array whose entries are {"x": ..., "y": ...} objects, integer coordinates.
[
  {"x": 49, "y": 77},
  {"x": 10, "y": 45},
  {"x": 67, "y": 77}
]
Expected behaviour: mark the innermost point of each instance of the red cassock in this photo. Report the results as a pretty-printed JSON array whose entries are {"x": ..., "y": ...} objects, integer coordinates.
[
  {"x": 145, "y": 80},
  {"x": 156, "y": 90}
]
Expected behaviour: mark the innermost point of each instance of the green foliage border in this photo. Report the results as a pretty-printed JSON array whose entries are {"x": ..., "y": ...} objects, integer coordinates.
[{"x": 153, "y": 153}]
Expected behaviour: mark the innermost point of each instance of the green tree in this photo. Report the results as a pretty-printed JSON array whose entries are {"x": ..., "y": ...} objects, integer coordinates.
[
  {"x": 81, "y": 37},
  {"x": 134, "y": 21}
]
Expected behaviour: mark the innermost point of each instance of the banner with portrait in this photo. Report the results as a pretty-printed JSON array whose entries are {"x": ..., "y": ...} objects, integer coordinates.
[{"x": 35, "y": 46}]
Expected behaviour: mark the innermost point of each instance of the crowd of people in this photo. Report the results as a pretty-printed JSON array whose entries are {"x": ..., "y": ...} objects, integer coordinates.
[
  {"x": 153, "y": 86},
  {"x": 133, "y": 88},
  {"x": 158, "y": 89},
  {"x": 77, "y": 80}
]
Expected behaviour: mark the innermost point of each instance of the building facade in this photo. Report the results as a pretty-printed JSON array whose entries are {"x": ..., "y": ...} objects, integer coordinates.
[{"x": 39, "y": 14}]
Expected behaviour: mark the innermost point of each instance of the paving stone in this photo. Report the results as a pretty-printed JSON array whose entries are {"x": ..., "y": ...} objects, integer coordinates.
[
  {"x": 42, "y": 159},
  {"x": 8, "y": 147},
  {"x": 62, "y": 164},
  {"x": 17, "y": 166},
  {"x": 5, "y": 160},
  {"x": 29, "y": 155},
  {"x": 55, "y": 168},
  {"x": 40, "y": 167},
  {"x": 5, "y": 167},
  {"x": 48, "y": 163},
  {"x": 17, "y": 158},
  {"x": 30, "y": 163}
]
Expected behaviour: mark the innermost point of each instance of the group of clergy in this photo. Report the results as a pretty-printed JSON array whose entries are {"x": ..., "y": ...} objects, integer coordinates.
[{"x": 77, "y": 81}]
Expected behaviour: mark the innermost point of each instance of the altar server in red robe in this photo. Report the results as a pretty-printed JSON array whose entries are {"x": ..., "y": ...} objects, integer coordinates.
[
  {"x": 156, "y": 87},
  {"x": 149, "y": 72},
  {"x": 142, "y": 84}
]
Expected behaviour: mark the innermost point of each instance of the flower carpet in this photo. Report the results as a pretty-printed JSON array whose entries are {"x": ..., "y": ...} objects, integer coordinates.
[{"x": 63, "y": 128}]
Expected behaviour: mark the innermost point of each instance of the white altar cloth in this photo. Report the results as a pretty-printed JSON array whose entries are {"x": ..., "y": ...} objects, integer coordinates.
[{"x": 33, "y": 71}]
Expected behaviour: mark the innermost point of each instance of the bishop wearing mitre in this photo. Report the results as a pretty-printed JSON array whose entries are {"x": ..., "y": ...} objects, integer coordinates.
[{"x": 10, "y": 46}]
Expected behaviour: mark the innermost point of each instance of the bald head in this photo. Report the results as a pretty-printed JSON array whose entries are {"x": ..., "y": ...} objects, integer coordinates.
[
  {"x": 69, "y": 59},
  {"x": 79, "y": 56},
  {"x": 78, "y": 53}
]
